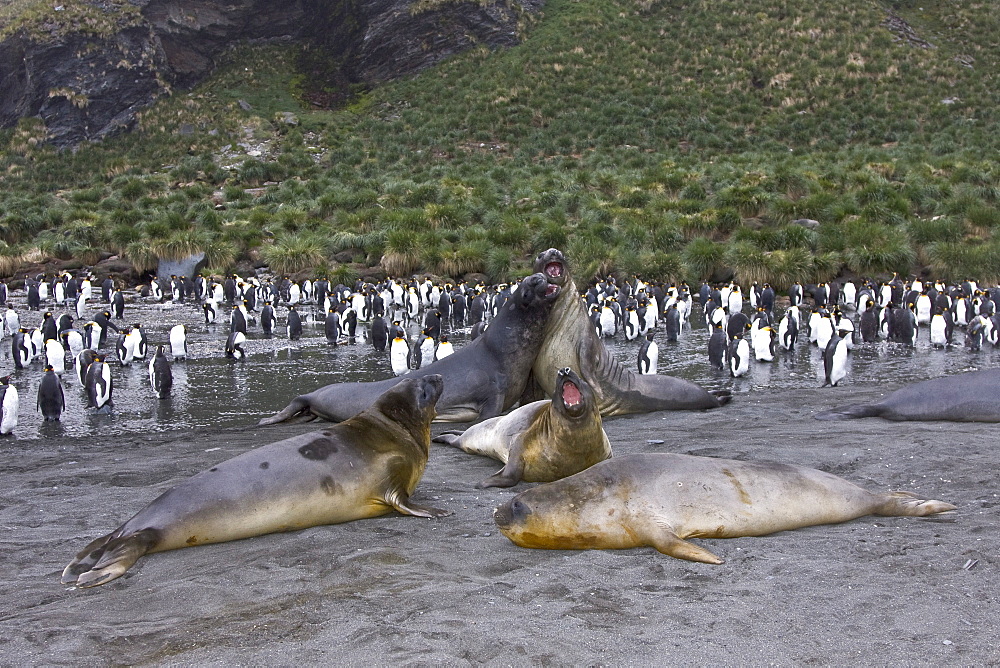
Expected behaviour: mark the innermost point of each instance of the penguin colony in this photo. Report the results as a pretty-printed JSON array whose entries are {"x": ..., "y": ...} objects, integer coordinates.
[
  {"x": 741, "y": 322},
  {"x": 235, "y": 309}
]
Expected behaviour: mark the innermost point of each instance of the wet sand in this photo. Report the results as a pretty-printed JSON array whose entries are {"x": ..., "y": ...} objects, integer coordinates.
[{"x": 401, "y": 590}]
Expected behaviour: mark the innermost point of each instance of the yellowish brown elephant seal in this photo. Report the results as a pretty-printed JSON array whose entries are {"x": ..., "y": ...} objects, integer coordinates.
[
  {"x": 364, "y": 467},
  {"x": 541, "y": 441},
  {"x": 661, "y": 499}
]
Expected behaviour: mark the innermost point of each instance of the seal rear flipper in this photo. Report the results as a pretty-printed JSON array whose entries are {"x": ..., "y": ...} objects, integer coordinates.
[
  {"x": 667, "y": 542},
  {"x": 850, "y": 412},
  {"x": 905, "y": 504},
  {"x": 298, "y": 406},
  {"x": 108, "y": 558},
  {"x": 722, "y": 396}
]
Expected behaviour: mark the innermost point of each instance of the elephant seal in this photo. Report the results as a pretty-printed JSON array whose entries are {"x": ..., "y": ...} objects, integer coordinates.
[
  {"x": 973, "y": 396},
  {"x": 570, "y": 341},
  {"x": 541, "y": 441},
  {"x": 365, "y": 467},
  {"x": 481, "y": 380},
  {"x": 660, "y": 499}
]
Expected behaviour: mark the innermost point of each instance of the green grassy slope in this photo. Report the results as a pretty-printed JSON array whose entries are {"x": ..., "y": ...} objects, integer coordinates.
[{"x": 679, "y": 139}]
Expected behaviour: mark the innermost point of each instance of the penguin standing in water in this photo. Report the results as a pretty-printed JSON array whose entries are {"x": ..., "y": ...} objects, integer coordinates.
[
  {"x": 649, "y": 355},
  {"x": 211, "y": 311},
  {"x": 238, "y": 319},
  {"x": 178, "y": 342},
  {"x": 672, "y": 323},
  {"x": 293, "y": 324},
  {"x": 788, "y": 328},
  {"x": 399, "y": 353},
  {"x": 83, "y": 362},
  {"x": 118, "y": 305},
  {"x": 234, "y": 345},
  {"x": 141, "y": 344},
  {"x": 72, "y": 340},
  {"x": 100, "y": 387},
  {"x": 941, "y": 328},
  {"x": 331, "y": 326},
  {"x": 631, "y": 324},
  {"x": 717, "y": 347},
  {"x": 10, "y": 401},
  {"x": 267, "y": 319},
  {"x": 763, "y": 342},
  {"x": 21, "y": 349},
  {"x": 51, "y": 400},
  {"x": 835, "y": 359},
  {"x": 125, "y": 348},
  {"x": 55, "y": 356},
  {"x": 103, "y": 319},
  {"x": 869, "y": 322},
  {"x": 595, "y": 319},
  {"x": 739, "y": 356},
  {"x": 160, "y": 376},
  {"x": 379, "y": 333},
  {"x": 444, "y": 348}
]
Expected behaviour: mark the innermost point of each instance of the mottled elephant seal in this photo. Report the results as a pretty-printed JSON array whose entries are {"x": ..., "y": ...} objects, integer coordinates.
[
  {"x": 973, "y": 396},
  {"x": 364, "y": 467},
  {"x": 570, "y": 341},
  {"x": 660, "y": 499},
  {"x": 541, "y": 441},
  {"x": 481, "y": 380}
]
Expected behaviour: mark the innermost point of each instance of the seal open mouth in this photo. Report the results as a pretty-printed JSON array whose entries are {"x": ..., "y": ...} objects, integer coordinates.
[
  {"x": 554, "y": 269},
  {"x": 551, "y": 290},
  {"x": 571, "y": 394}
]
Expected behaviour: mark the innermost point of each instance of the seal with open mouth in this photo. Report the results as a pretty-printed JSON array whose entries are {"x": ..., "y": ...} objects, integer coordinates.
[
  {"x": 570, "y": 341},
  {"x": 541, "y": 441}
]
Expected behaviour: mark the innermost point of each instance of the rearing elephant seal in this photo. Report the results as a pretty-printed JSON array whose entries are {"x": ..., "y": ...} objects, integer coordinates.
[
  {"x": 659, "y": 499},
  {"x": 365, "y": 467},
  {"x": 541, "y": 441},
  {"x": 481, "y": 380},
  {"x": 973, "y": 396},
  {"x": 570, "y": 341}
]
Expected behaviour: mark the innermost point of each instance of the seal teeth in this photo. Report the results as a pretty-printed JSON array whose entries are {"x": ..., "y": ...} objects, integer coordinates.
[
  {"x": 551, "y": 290},
  {"x": 554, "y": 269}
]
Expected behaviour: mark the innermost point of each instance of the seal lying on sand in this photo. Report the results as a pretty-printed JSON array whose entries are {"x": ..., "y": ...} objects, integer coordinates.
[
  {"x": 541, "y": 441},
  {"x": 481, "y": 380},
  {"x": 570, "y": 341},
  {"x": 365, "y": 467},
  {"x": 973, "y": 396},
  {"x": 659, "y": 499}
]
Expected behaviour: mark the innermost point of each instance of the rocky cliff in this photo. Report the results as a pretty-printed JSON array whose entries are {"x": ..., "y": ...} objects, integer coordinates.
[{"x": 87, "y": 67}]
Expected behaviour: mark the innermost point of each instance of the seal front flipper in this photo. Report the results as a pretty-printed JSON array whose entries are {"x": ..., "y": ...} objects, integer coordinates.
[
  {"x": 402, "y": 504},
  {"x": 108, "y": 558},
  {"x": 666, "y": 542},
  {"x": 298, "y": 406},
  {"x": 508, "y": 476}
]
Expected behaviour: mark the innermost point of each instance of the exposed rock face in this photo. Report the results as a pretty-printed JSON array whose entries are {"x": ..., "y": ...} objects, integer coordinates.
[{"x": 88, "y": 86}]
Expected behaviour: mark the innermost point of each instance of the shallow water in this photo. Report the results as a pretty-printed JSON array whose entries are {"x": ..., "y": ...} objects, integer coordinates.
[{"x": 211, "y": 391}]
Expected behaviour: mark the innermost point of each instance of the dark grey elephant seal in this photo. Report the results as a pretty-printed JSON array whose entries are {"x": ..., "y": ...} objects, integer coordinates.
[
  {"x": 973, "y": 396},
  {"x": 365, "y": 467},
  {"x": 661, "y": 499},
  {"x": 541, "y": 441},
  {"x": 570, "y": 341},
  {"x": 481, "y": 380}
]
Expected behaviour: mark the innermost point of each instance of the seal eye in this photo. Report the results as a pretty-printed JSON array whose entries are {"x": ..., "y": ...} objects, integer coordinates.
[{"x": 518, "y": 510}]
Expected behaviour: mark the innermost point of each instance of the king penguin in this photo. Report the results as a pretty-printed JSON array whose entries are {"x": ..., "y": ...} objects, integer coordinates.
[
  {"x": 427, "y": 347},
  {"x": 10, "y": 401},
  {"x": 83, "y": 362},
  {"x": 444, "y": 348},
  {"x": 788, "y": 328},
  {"x": 178, "y": 342},
  {"x": 267, "y": 319},
  {"x": 55, "y": 356},
  {"x": 739, "y": 356},
  {"x": 379, "y": 333},
  {"x": 294, "y": 324},
  {"x": 672, "y": 322},
  {"x": 234, "y": 345},
  {"x": 100, "y": 387},
  {"x": 835, "y": 359},
  {"x": 717, "y": 347},
  {"x": 161, "y": 378},
  {"x": 51, "y": 400},
  {"x": 649, "y": 355},
  {"x": 399, "y": 353}
]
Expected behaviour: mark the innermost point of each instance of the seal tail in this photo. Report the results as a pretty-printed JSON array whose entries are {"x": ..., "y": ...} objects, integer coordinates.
[
  {"x": 108, "y": 558},
  {"x": 905, "y": 504},
  {"x": 850, "y": 412},
  {"x": 297, "y": 407}
]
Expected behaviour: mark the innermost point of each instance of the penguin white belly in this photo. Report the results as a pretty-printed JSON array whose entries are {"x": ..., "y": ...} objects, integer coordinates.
[
  {"x": 632, "y": 326},
  {"x": 739, "y": 359},
  {"x": 398, "y": 353},
  {"x": 824, "y": 332},
  {"x": 444, "y": 349},
  {"x": 608, "y": 325},
  {"x": 178, "y": 342},
  {"x": 763, "y": 350},
  {"x": 838, "y": 366},
  {"x": 55, "y": 355},
  {"x": 9, "y": 408},
  {"x": 939, "y": 331},
  {"x": 427, "y": 352}
]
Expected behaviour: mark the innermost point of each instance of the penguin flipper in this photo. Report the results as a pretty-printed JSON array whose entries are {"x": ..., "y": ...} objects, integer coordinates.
[
  {"x": 108, "y": 557},
  {"x": 850, "y": 412}
]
